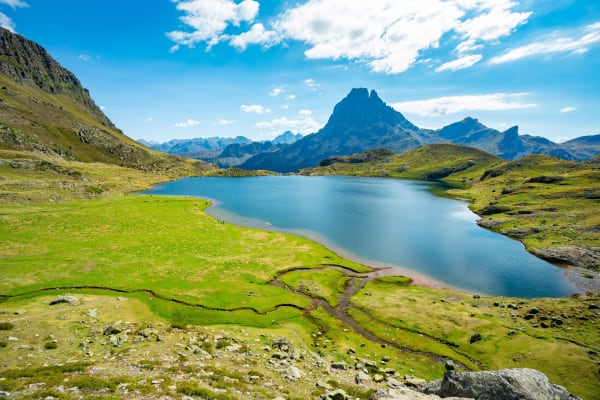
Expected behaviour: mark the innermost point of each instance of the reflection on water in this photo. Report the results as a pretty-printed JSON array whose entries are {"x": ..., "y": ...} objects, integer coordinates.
[{"x": 383, "y": 222}]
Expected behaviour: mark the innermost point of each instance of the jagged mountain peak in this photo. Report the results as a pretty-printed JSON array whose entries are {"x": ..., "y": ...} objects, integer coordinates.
[{"x": 362, "y": 108}]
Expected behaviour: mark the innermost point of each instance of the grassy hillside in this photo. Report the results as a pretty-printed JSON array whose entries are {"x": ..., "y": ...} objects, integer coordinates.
[
  {"x": 551, "y": 205},
  {"x": 450, "y": 162},
  {"x": 212, "y": 309}
]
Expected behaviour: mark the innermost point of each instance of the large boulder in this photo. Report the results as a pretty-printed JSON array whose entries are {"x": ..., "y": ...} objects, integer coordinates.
[{"x": 506, "y": 384}]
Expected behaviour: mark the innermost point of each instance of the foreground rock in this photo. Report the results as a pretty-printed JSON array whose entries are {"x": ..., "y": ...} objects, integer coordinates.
[{"x": 506, "y": 384}]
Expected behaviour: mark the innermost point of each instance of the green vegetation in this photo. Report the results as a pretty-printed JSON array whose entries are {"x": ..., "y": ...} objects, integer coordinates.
[
  {"x": 328, "y": 284},
  {"x": 6, "y": 326}
]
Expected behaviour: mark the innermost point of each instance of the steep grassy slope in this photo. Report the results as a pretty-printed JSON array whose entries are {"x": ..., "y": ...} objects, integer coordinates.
[
  {"x": 551, "y": 205},
  {"x": 445, "y": 161},
  {"x": 45, "y": 110}
]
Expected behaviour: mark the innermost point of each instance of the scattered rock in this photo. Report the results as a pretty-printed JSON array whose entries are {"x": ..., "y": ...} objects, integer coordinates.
[
  {"x": 449, "y": 365},
  {"x": 401, "y": 393},
  {"x": 339, "y": 365},
  {"x": 111, "y": 330},
  {"x": 520, "y": 383},
  {"x": 476, "y": 337},
  {"x": 593, "y": 307},
  {"x": 361, "y": 378},
  {"x": 66, "y": 299},
  {"x": 534, "y": 310},
  {"x": 294, "y": 374},
  {"x": 338, "y": 394},
  {"x": 20, "y": 312},
  {"x": 413, "y": 382},
  {"x": 385, "y": 359},
  {"x": 377, "y": 378},
  {"x": 476, "y": 296}
]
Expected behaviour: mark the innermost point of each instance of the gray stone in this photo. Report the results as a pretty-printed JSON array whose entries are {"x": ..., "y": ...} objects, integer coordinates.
[
  {"x": 519, "y": 383},
  {"x": 361, "y": 377},
  {"x": 413, "y": 382},
  {"x": 338, "y": 394},
  {"x": 339, "y": 365},
  {"x": 476, "y": 337},
  {"x": 294, "y": 374},
  {"x": 68, "y": 299}
]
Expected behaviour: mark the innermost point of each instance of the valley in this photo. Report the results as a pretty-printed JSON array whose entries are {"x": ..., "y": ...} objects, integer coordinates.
[{"x": 106, "y": 293}]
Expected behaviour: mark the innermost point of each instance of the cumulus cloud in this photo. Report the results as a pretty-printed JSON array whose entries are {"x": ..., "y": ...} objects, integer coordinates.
[
  {"x": 14, "y": 3},
  {"x": 277, "y": 91},
  {"x": 389, "y": 36},
  {"x": 6, "y": 22},
  {"x": 454, "y": 104},
  {"x": 187, "y": 124},
  {"x": 84, "y": 57},
  {"x": 208, "y": 20},
  {"x": 461, "y": 63},
  {"x": 224, "y": 122},
  {"x": 567, "y": 109},
  {"x": 311, "y": 84},
  {"x": 291, "y": 97},
  {"x": 559, "y": 42},
  {"x": 300, "y": 125},
  {"x": 255, "y": 108},
  {"x": 305, "y": 112},
  {"x": 256, "y": 35}
]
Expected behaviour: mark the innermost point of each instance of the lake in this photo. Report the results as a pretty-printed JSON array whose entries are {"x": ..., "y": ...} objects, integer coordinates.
[{"x": 383, "y": 222}]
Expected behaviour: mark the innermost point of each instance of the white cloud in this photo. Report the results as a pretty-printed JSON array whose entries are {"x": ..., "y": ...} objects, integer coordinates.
[
  {"x": 461, "y": 63},
  {"x": 224, "y": 122},
  {"x": 84, "y": 57},
  {"x": 389, "y": 36},
  {"x": 454, "y": 104},
  {"x": 6, "y": 22},
  {"x": 149, "y": 119},
  {"x": 255, "y": 108},
  {"x": 291, "y": 97},
  {"x": 496, "y": 23},
  {"x": 567, "y": 109},
  {"x": 311, "y": 84},
  {"x": 14, "y": 3},
  {"x": 103, "y": 108},
  {"x": 301, "y": 125},
  {"x": 256, "y": 35},
  {"x": 187, "y": 124},
  {"x": 560, "y": 42},
  {"x": 277, "y": 91},
  {"x": 305, "y": 112},
  {"x": 208, "y": 20}
]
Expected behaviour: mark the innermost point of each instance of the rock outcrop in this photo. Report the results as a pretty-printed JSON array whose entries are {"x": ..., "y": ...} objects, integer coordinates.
[{"x": 506, "y": 384}]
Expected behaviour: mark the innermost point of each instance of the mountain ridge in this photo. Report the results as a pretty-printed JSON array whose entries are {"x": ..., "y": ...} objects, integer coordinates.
[{"x": 362, "y": 121}]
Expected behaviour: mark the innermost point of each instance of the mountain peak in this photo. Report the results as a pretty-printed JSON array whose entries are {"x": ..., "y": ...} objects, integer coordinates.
[{"x": 363, "y": 108}]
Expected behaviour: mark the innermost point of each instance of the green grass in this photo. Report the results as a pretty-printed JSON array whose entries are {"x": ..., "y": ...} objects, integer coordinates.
[
  {"x": 328, "y": 284},
  {"x": 167, "y": 245},
  {"x": 449, "y": 318}
]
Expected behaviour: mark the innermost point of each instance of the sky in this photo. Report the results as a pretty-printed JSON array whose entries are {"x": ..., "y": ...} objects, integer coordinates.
[{"x": 178, "y": 69}]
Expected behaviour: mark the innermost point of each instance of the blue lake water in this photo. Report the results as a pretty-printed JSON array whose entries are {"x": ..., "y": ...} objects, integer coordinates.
[{"x": 383, "y": 222}]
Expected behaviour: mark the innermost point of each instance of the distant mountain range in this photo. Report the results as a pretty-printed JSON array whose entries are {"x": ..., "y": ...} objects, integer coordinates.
[
  {"x": 362, "y": 121},
  {"x": 225, "y": 152}
]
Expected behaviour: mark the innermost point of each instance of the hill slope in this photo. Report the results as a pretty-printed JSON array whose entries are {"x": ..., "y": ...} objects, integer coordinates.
[{"x": 44, "y": 109}]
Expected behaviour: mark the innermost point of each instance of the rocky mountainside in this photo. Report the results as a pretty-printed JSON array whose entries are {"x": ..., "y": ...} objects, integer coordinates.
[
  {"x": 362, "y": 122},
  {"x": 45, "y": 110}
]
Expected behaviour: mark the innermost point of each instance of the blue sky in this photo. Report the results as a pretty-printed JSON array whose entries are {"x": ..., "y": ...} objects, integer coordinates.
[{"x": 165, "y": 69}]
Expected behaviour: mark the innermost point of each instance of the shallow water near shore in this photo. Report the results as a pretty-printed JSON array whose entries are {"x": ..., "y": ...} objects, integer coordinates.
[{"x": 383, "y": 223}]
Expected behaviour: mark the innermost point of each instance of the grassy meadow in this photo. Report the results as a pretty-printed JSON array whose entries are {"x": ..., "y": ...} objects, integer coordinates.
[{"x": 179, "y": 267}]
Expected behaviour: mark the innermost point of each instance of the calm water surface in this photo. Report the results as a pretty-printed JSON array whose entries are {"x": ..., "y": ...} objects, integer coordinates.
[{"x": 384, "y": 222}]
